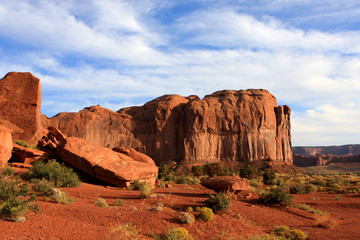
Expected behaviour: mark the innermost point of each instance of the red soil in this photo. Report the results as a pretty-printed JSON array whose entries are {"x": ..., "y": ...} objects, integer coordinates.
[{"x": 83, "y": 220}]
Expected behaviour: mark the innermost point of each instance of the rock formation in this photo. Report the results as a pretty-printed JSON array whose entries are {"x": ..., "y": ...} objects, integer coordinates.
[
  {"x": 104, "y": 164},
  {"x": 324, "y": 159},
  {"x": 226, "y": 183},
  {"x": 20, "y": 103},
  {"x": 242, "y": 126},
  {"x": 351, "y": 149},
  {"x": 6, "y": 145}
]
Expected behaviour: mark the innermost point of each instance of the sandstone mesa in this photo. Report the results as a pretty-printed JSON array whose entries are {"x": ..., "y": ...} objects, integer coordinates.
[{"x": 226, "y": 126}]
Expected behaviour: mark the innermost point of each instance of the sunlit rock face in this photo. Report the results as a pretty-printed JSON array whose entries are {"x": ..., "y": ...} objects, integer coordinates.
[
  {"x": 20, "y": 104},
  {"x": 232, "y": 126}
]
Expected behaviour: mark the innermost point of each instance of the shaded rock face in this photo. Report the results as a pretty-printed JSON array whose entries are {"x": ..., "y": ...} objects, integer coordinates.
[
  {"x": 242, "y": 126},
  {"x": 6, "y": 145},
  {"x": 20, "y": 103},
  {"x": 104, "y": 164}
]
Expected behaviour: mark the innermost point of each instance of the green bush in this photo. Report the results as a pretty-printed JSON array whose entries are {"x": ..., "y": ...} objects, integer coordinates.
[
  {"x": 276, "y": 195},
  {"x": 15, "y": 198},
  {"x": 42, "y": 187},
  {"x": 55, "y": 172},
  {"x": 205, "y": 214},
  {"x": 281, "y": 230},
  {"x": 269, "y": 177},
  {"x": 24, "y": 144},
  {"x": 214, "y": 169},
  {"x": 218, "y": 202},
  {"x": 187, "y": 180},
  {"x": 249, "y": 172},
  {"x": 166, "y": 173},
  {"x": 198, "y": 170},
  {"x": 60, "y": 197},
  {"x": 7, "y": 172},
  {"x": 297, "y": 188}
]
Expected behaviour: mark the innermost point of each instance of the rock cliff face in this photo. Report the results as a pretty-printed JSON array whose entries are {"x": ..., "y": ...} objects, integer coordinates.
[
  {"x": 243, "y": 126},
  {"x": 6, "y": 145},
  {"x": 20, "y": 103}
]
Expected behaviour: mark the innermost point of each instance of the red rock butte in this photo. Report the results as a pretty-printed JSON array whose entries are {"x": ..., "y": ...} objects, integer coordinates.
[{"x": 229, "y": 126}]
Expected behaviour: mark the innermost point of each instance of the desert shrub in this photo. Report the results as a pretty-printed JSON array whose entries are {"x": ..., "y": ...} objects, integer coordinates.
[
  {"x": 145, "y": 190},
  {"x": 218, "y": 202},
  {"x": 309, "y": 209},
  {"x": 7, "y": 172},
  {"x": 119, "y": 202},
  {"x": 352, "y": 189},
  {"x": 187, "y": 180},
  {"x": 187, "y": 217},
  {"x": 55, "y": 172},
  {"x": 266, "y": 237},
  {"x": 296, "y": 234},
  {"x": 101, "y": 202},
  {"x": 297, "y": 188},
  {"x": 326, "y": 221},
  {"x": 336, "y": 188},
  {"x": 256, "y": 182},
  {"x": 214, "y": 169},
  {"x": 249, "y": 172},
  {"x": 276, "y": 195},
  {"x": 24, "y": 144},
  {"x": 166, "y": 173},
  {"x": 318, "y": 182},
  {"x": 206, "y": 214},
  {"x": 269, "y": 177},
  {"x": 15, "y": 198},
  {"x": 198, "y": 170},
  {"x": 281, "y": 230},
  {"x": 310, "y": 188},
  {"x": 178, "y": 234},
  {"x": 135, "y": 185},
  {"x": 124, "y": 231},
  {"x": 189, "y": 209},
  {"x": 42, "y": 187},
  {"x": 60, "y": 197},
  {"x": 291, "y": 234}
]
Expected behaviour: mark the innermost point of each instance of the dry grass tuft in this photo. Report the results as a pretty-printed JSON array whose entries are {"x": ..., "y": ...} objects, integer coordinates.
[{"x": 326, "y": 221}]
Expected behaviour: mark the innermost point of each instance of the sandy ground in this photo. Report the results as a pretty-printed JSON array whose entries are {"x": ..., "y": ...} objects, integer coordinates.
[{"x": 83, "y": 220}]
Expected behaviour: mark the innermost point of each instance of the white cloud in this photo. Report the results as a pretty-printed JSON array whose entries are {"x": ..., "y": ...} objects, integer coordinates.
[{"x": 327, "y": 124}]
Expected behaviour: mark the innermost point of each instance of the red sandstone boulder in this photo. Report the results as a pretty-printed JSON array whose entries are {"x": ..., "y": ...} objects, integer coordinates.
[
  {"x": 20, "y": 103},
  {"x": 104, "y": 164},
  {"x": 140, "y": 157},
  {"x": 6, "y": 145},
  {"x": 226, "y": 183},
  {"x": 25, "y": 155}
]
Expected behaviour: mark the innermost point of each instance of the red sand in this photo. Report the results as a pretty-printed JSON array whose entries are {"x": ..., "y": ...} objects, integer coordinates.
[{"x": 83, "y": 220}]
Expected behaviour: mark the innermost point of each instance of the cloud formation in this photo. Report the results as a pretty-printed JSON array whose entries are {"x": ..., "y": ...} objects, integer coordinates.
[{"x": 123, "y": 53}]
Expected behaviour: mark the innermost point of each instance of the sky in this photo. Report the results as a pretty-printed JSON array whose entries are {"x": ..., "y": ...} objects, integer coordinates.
[{"x": 121, "y": 53}]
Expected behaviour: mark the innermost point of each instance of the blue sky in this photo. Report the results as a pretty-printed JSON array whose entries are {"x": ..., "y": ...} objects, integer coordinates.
[{"x": 124, "y": 53}]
